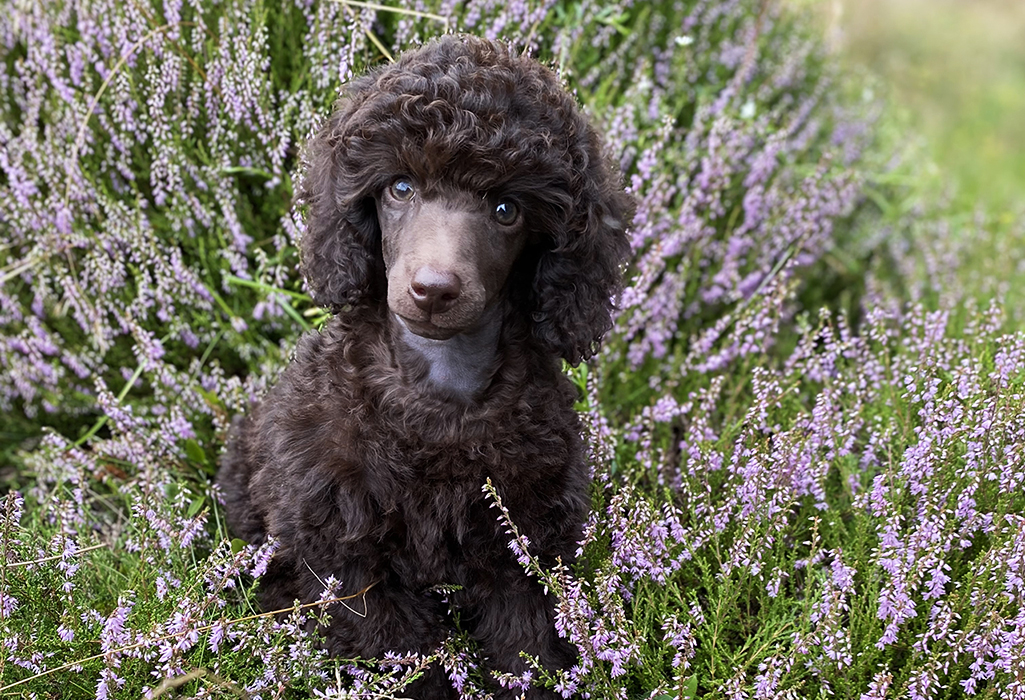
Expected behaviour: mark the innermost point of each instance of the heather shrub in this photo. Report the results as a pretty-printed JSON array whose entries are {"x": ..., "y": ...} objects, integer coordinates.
[{"x": 805, "y": 428}]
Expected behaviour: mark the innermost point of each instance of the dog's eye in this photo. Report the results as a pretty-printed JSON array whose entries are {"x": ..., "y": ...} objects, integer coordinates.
[
  {"x": 401, "y": 190},
  {"x": 506, "y": 212}
]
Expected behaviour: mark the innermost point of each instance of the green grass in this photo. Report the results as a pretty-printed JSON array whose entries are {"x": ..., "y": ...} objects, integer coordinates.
[{"x": 958, "y": 69}]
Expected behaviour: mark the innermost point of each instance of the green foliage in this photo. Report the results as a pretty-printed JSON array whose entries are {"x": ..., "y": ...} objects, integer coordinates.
[{"x": 809, "y": 485}]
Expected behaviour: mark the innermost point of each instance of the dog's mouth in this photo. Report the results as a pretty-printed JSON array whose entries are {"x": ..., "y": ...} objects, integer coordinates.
[{"x": 426, "y": 329}]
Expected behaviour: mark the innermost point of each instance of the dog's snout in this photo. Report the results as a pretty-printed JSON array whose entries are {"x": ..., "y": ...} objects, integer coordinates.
[{"x": 435, "y": 291}]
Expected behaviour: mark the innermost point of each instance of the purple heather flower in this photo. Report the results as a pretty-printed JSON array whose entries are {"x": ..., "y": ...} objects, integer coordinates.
[{"x": 114, "y": 634}]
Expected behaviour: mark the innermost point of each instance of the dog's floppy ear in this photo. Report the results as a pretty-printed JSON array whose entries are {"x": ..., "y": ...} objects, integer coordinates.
[
  {"x": 578, "y": 279},
  {"x": 341, "y": 248}
]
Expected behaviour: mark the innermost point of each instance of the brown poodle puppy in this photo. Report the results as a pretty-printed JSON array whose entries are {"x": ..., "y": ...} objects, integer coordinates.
[{"x": 467, "y": 232}]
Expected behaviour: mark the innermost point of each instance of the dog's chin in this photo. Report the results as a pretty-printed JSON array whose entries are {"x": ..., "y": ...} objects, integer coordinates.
[{"x": 426, "y": 329}]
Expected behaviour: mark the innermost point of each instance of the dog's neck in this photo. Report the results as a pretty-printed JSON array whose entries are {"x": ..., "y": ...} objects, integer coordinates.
[{"x": 463, "y": 364}]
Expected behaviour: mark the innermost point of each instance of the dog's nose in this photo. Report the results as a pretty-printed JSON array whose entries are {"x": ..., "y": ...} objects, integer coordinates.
[{"x": 433, "y": 291}]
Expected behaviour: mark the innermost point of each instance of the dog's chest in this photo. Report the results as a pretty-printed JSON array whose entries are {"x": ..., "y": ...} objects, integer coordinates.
[
  {"x": 439, "y": 531},
  {"x": 439, "y": 525}
]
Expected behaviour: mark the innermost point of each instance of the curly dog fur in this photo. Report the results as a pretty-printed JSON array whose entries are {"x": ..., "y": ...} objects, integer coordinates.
[{"x": 466, "y": 230}]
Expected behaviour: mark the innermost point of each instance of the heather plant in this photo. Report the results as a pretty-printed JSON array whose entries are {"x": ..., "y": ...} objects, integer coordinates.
[{"x": 805, "y": 429}]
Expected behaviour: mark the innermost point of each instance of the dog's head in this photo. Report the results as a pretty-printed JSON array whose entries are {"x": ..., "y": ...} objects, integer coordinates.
[
  {"x": 460, "y": 176},
  {"x": 447, "y": 257}
]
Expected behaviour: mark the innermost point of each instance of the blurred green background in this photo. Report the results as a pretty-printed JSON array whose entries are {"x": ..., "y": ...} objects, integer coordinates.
[{"x": 957, "y": 70}]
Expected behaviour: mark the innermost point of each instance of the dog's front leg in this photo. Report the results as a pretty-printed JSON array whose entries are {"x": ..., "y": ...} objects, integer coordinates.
[
  {"x": 519, "y": 617},
  {"x": 390, "y": 618}
]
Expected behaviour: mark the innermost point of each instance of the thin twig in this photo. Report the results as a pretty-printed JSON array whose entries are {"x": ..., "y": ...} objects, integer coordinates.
[
  {"x": 396, "y": 10},
  {"x": 380, "y": 47},
  {"x": 16, "y": 268},
  {"x": 177, "y": 682},
  {"x": 325, "y": 587},
  {"x": 54, "y": 557},
  {"x": 152, "y": 20},
  {"x": 349, "y": 4},
  {"x": 102, "y": 420},
  {"x": 530, "y": 36}
]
